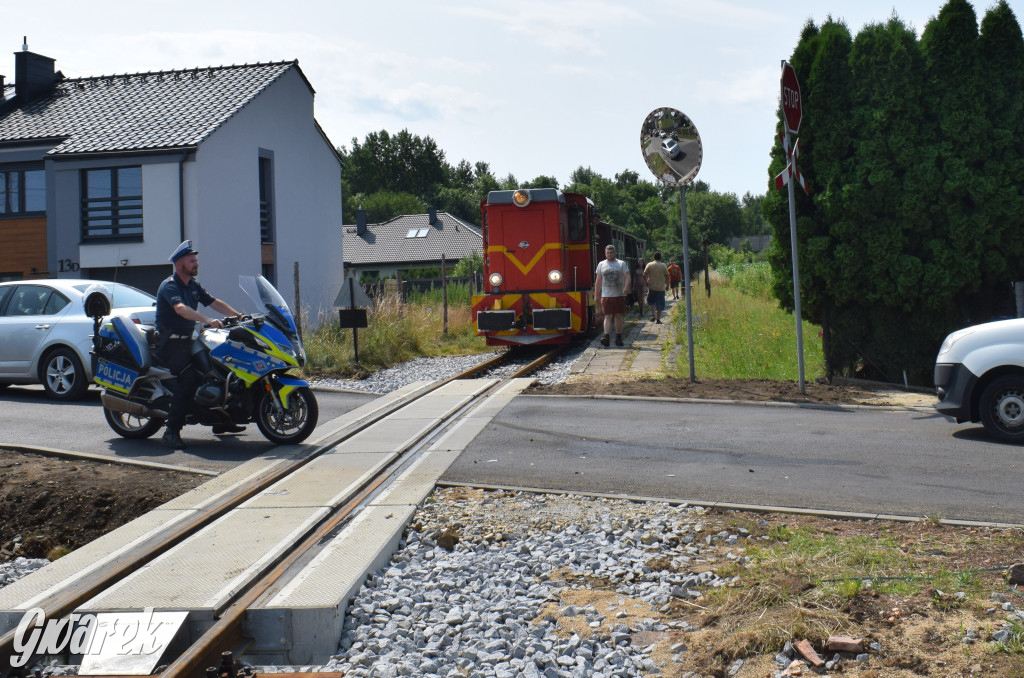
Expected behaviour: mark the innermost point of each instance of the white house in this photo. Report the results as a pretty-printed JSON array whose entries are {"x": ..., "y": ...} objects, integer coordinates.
[{"x": 102, "y": 177}]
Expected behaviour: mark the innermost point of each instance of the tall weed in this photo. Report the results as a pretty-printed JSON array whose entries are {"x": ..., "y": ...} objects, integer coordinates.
[
  {"x": 741, "y": 333},
  {"x": 397, "y": 332}
]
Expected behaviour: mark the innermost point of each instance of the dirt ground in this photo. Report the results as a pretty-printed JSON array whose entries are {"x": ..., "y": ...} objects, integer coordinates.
[
  {"x": 50, "y": 504},
  {"x": 926, "y": 633}
]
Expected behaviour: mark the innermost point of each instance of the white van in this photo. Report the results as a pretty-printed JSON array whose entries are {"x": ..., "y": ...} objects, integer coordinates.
[{"x": 979, "y": 376}]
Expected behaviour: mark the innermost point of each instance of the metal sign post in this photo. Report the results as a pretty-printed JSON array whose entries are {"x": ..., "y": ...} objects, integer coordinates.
[
  {"x": 792, "y": 113},
  {"x": 686, "y": 281},
  {"x": 352, "y": 317}
]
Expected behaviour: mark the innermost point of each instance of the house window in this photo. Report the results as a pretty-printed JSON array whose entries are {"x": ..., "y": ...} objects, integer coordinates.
[
  {"x": 22, "y": 192},
  {"x": 417, "y": 233},
  {"x": 112, "y": 203},
  {"x": 266, "y": 200}
]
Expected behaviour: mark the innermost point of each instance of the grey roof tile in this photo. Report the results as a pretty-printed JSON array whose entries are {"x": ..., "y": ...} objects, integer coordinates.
[
  {"x": 140, "y": 111},
  {"x": 385, "y": 243}
]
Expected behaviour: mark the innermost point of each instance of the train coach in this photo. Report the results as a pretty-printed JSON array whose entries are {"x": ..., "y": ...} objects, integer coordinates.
[{"x": 541, "y": 248}]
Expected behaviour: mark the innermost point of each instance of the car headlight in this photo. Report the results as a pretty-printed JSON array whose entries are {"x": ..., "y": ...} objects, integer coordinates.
[
  {"x": 954, "y": 337},
  {"x": 521, "y": 198},
  {"x": 495, "y": 279},
  {"x": 554, "y": 277}
]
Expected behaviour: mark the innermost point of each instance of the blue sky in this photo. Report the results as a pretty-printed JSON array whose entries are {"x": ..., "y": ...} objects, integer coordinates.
[{"x": 530, "y": 87}]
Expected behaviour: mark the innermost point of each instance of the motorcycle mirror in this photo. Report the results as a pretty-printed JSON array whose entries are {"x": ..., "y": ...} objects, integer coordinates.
[{"x": 97, "y": 302}]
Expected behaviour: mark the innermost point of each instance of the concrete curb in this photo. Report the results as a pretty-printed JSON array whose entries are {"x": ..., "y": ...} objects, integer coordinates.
[
  {"x": 54, "y": 452},
  {"x": 821, "y": 513},
  {"x": 756, "y": 403}
]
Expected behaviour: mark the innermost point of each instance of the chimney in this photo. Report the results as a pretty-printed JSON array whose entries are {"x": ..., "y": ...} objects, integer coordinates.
[
  {"x": 33, "y": 74},
  {"x": 432, "y": 215},
  {"x": 360, "y": 221}
]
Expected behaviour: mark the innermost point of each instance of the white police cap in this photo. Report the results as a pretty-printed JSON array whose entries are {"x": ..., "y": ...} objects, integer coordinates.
[{"x": 183, "y": 249}]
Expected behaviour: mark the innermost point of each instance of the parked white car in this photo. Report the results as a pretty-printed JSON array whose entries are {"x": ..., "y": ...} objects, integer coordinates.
[
  {"x": 45, "y": 336},
  {"x": 671, "y": 148},
  {"x": 979, "y": 376}
]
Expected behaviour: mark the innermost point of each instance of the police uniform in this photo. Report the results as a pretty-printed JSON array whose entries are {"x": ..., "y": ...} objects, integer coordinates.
[{"x": 175, "y": 335}]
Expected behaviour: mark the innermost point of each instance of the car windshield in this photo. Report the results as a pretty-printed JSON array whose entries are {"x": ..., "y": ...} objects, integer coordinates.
[{"x": 124, "y": 296}]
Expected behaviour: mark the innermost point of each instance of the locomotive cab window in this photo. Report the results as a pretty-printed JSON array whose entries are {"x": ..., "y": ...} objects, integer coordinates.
[{"x": 577, "y": 224}]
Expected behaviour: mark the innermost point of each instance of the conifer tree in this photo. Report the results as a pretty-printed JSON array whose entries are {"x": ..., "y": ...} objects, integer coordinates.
[{"x": 1001, "y": 64}]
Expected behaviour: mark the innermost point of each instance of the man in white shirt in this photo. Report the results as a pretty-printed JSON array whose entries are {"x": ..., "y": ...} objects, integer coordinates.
[{"x": 611, "y": 285}]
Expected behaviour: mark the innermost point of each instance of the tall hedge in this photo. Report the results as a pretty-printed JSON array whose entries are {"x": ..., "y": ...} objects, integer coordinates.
[{"x": 915, "y": 152}]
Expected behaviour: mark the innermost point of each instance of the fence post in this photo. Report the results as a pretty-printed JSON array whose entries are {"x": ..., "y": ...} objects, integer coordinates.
[{"x": 444, "y": 292}]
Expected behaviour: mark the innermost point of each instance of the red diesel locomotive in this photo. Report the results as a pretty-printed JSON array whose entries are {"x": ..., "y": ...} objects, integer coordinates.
[{"x": 541, "y": 248}]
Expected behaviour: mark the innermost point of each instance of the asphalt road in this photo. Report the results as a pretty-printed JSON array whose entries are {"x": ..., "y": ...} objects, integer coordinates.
[
  {"x": 28, "y": 417},
  {"x": 860, "y": 460}
]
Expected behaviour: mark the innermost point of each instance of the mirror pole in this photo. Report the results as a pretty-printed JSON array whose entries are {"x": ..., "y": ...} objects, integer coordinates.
[{"x": 686, "y": 280}]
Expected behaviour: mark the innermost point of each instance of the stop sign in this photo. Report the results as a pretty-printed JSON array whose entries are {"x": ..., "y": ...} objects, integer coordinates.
[{"x": 792, "y": 107}]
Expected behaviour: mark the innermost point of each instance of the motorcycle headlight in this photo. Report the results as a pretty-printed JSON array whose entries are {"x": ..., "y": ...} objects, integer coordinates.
[
  {"x": 495, "y": 279},
  {"x": 554, "y": 277}
]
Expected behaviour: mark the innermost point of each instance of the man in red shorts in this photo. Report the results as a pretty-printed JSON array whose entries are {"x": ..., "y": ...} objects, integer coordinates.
[{"x": 611, "y": 285}]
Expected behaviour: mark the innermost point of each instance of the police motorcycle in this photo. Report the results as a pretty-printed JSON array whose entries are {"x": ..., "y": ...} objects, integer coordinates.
[{"x": 244, "y": 368}]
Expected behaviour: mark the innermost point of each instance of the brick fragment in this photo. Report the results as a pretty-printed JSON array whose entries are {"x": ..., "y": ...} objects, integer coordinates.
[
  {"x": 844, "y": 644},
  {"x": 807, "y": 651}
]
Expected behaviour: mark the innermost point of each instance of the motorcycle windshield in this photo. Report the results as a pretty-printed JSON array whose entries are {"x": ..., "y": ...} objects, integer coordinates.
[{"x": 268, "y": 300}]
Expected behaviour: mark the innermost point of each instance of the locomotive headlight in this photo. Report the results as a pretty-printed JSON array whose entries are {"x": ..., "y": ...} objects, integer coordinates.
[
  {"x": 554, "y": 277},
  {"x": 495, "y": 279},
  {"x": 521, "y": 198}
]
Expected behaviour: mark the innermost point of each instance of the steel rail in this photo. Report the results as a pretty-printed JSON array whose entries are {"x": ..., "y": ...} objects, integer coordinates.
[
  {"x": 227, "y": 630},
  {"x": 64, "y": 603}
]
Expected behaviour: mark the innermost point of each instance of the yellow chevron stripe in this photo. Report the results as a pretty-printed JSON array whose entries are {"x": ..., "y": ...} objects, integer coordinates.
[{"x": 524, "y": 270}]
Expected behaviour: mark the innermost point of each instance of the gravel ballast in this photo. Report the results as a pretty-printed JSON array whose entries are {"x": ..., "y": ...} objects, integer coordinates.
[{"x": 480, "y": 584}]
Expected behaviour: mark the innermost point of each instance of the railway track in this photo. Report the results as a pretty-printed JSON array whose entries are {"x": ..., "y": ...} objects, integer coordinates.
[{"x": 223, "y": 638}]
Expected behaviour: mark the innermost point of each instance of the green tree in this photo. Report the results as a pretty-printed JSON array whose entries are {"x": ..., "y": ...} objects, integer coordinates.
[
  {"x": 384, "y": 205},
  {"x": 467, "y": 266},
  {"x": 753, "y": 219},
  {"x": 1001, "y": 63},
  {"x": 403, "y": 162},
  {"x": 713, "y": 215},
  {"x": 541, "y": 181},
  {"x": 878, "y": 259},
  {"x": 460, "y": 202}
]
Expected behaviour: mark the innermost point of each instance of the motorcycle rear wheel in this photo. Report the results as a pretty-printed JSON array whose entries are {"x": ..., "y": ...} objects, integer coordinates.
[
  {"x": 131, "y": 426},
  {"x": 293, "y": 425}
]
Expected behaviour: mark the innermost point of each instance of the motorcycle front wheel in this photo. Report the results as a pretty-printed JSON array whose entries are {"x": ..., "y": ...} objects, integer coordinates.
[
  {"x": 292, "y": 425},
  {"x": 132, "y": 426}
]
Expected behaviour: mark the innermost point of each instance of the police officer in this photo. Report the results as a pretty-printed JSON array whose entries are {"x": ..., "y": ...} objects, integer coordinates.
[{"x": 176, "y": 302}]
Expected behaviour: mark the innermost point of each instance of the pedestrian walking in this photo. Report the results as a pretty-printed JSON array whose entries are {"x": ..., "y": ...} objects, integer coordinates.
[
  {"x": 656, "y": 276},
  {"x": 611, "y": 285}
]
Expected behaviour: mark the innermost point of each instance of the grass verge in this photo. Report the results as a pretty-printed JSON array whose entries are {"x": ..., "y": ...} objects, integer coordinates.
[
  {"x": 397, "y": 332},
  {"x": 739, "y": 332}
]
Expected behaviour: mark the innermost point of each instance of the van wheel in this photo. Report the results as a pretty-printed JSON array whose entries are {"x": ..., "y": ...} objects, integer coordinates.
[
  {"x": 63, "y": 375},
  {"x": 1002, "y": 409}
]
